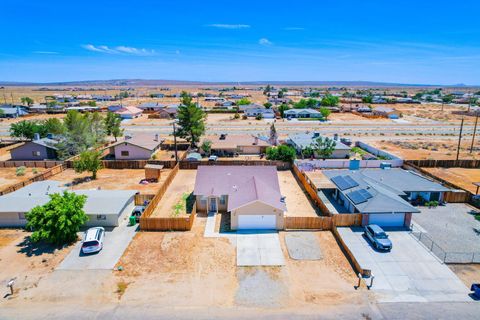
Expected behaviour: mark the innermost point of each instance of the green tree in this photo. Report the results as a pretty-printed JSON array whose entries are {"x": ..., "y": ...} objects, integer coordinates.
[
  {"x": 243, "y": 101},
  {"x": 58, "y": 221},
  {"x": 307, "y": 152},
  {"x": 96, "y": 128},
  {"x": 113, "y": 125},
  {"x": 281, "y": 153},
  {"x": 24, "y": 129},
  {"x": 206, "y": 146},
  {"x": 306, "y": 103},
  {"x": 447, "y": 99},
  {"x": 191, "y": 120},
  {"x": 92, "y": 103},
  {"x": 273, "y": 139},
  {"x": 51, "y": 104},
  {"x": 90, "y": 161},
  {"x": 54, "y": 126},
  {"x": 324, "y": 147},
  {"x": 1, "y": 112},
  {"x": 330, "y": 101},
  {"x": 267, "y": 105},
  {"x": 367, "y": 99},
  {"x": 325, "y": 112},
  {"x": 282, "y": 108},
  {"x": 268, "y": 89},
  {"x": 27, "y": 101}
]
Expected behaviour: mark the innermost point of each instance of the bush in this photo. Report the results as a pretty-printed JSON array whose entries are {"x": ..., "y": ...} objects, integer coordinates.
[
  {"x": 281, "y": 153},
  {"x": 20, "y": 171},
  {"x": 34, "y": 171}
]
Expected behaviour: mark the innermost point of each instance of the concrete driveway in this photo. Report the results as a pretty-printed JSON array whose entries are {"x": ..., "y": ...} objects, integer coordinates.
[
  {"x": 258, "y": 248},
  {"x": 409, "y": 273},
  {"x": 115, "y": 243}
]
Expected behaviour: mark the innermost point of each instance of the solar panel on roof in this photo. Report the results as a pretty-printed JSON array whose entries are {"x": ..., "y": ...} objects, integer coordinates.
[
  {"x": 357, "y": 197},
  {"x": 365, "y": 193},
  {"x": 350, "y": 181},
  {"x": 341, "y": 183}
]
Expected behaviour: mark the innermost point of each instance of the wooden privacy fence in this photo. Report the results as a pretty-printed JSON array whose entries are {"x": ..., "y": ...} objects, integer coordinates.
[
  {"x": 168, "y": 224},
  {"x": 323, "y": 223},
  {"x": 311, "y": 189},
  {"x": 184, "y": 164},
  {"x": 141, "y": 198},
  {"x": 29, "y": 164},
  {"x": 348, "y": 253},
  {"x": 469, "y": 164}
]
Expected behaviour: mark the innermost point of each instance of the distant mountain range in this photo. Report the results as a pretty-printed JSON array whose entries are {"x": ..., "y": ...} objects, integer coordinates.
[{"x": 144, "y": 82}]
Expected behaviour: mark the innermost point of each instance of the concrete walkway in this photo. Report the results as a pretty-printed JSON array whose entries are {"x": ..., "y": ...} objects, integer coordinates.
[
  {"x": 258, "y": 248},
  {"x": 210, "y": 229}
]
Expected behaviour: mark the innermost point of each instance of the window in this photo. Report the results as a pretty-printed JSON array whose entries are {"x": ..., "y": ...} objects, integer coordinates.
[
  {"x": 21, "y": 216},
  {"x": 101, "y": 217},
  {"x": 203, "y": 200},
  {"x": 36, "y": 153},
  {"x": 222, "y": 200},
  {"x": 125, "y": 153}
]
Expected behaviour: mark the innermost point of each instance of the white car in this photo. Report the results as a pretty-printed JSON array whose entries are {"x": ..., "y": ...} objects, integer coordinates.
[{"x": 93, "y": 240}]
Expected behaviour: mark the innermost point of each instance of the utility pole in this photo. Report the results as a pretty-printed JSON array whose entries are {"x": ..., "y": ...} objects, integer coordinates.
[
  {"x": 459, "y": 139},
  {"x": 175, "y": 142},
  {"x": 474, "y": 131}
]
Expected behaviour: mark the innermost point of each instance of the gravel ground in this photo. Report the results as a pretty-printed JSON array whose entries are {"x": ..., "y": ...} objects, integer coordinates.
[
  {"x": 260, "y": 287},
  {"x": 303, "y": 246},
  {"x": 451, "y": 227}
]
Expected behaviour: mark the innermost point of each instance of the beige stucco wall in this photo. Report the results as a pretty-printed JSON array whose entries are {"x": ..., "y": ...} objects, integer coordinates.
[
  {"x": 11, "y": 219},
  {"x": 257, "y": 208},
  {"x": 202, "y": 207},
  {"x": 112, "y": 219}
]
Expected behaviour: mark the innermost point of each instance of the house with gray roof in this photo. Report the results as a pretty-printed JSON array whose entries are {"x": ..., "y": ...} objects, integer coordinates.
[
  {"x": 251, "y": 194},
  {"x": 302, "y": 113},
  {"x": 302, "y": 140},
  {"x": 383, "y": 196},
  {"x": 37, "y": 149},
  {"x": 103, "y": 207},
  {"x": 12, "y": 111},
  {"x": 265, "y": 113}
]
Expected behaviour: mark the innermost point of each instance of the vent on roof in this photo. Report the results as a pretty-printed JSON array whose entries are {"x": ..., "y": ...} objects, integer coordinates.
[
  {"x": 282, "y": 199},
  {"x": 316, "y": 134}
]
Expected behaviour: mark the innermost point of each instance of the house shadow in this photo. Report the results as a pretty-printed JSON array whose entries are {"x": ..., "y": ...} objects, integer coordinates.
[
  {"x": 225, "y": 219},
  {"x": 189, "y": 203},
  {"x": 30, "y": 248}
]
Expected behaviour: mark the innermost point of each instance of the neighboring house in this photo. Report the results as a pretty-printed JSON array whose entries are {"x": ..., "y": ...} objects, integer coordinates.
[
  {"x": 157, "y": 95},
  {"x": 302, "y": 140},
  {"x": 169, "y": 112},
  {"x": 38, "y": 108},
  {"x": 151, "y": 106},
  {"x": 114, "y": 108},
  {"x": 250, "y": 194},
  {"x": 276, "y": 100},
  {"x": 244, "y": 107},
  {"x": 37, "y": 149},
  {"x": 138, "y": 147},
  {"x": 383, "y": 196},
  {"x": 12, "y": 111},
  {"x": 302, "y": 113},
  {"x": 226, "y": 103},
  {"x": 387, "y": 112},
  {"x": 103, "y": 207},
  {"x": 265, "y": 113},
  {"x": 129, "y": 112},
  {"x": 214, "y": 99},
  {"x": 229, "y": 145},
  {"x": 98, "y": 97}
]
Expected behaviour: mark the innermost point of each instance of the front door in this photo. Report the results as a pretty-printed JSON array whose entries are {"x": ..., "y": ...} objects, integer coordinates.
[{"x": 213, "y": 205}]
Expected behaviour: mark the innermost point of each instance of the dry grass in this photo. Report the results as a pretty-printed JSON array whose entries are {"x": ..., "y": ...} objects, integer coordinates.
[
  {"x": 298, "y": 203},
  {"x": 8, "y": 176},
  {"x": 461, "y": 177}
]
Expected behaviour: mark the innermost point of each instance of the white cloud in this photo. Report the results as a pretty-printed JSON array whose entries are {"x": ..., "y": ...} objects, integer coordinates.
[
  {"x": 229, "y": 26},
  {"x": 119, "y": 50},
  {"x": 265, "y": 42}
]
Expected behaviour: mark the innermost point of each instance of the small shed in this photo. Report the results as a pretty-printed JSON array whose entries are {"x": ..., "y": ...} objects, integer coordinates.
[
  {"x": 153, "y": 172},
  {"x": 194, "y": 156}
]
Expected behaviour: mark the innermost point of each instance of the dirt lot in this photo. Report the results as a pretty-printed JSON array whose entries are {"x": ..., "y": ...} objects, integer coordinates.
[
  {"x": 111, "y": 179},
  {"x": 8, "y": 175},
  {"x": 423, "y": 148},
  {"x": 182, "y": 184},
  {"x": 298, "y": 202},
  {"x": 468, "y": 273},
  {"x": 205, "y": 274},
  {"x": 25, "y": 262},
  {"x": 460, "y": 176}
]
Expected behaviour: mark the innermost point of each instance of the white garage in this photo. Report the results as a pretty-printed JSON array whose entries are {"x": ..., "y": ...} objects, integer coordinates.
[
  {"x": 257, "y": 222},
  {"x": 387, "y": 219}
]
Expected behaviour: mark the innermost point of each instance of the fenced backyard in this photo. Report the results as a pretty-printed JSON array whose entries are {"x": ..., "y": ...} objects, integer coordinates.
[{"x": 323, "y": 223}]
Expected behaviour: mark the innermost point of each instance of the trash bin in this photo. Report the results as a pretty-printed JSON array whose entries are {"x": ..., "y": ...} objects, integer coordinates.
[
  {"x": 132, "y": 220},
  {"x": 476, "y": 289}
]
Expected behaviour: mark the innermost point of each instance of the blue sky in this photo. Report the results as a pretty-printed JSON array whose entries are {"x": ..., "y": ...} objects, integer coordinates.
[{"x": 431, "y": 42}]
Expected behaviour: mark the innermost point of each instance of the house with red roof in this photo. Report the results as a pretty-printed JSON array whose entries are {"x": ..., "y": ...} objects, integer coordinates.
[{"x": 129, "y": 112}]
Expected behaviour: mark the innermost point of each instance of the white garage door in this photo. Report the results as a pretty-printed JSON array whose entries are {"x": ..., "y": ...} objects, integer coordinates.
[
  {"x": 387, "y": 219},
  {"x": 248, "y": 221}
]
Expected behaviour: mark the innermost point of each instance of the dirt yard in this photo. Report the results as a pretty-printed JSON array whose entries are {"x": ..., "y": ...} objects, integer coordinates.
[
  {"x": 422, "y": 148},
  {"x": 184, "y": 269},
  {"x": 460, "y": 176},
  {"x": 9, "y": 177},
  {"x": 297, "y": 200},
  {"x": 111, "y": 179},
  {"x": 468, "y": 273},
  {"x": 183, "y": 184},
  {"x": 26, "y": 262}
]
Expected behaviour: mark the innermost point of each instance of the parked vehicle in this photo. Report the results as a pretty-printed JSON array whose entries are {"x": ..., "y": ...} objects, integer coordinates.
[
  {"x": 212, "y": 158},
  {"x": 346, "y": 141},
  {"x": 93, "y": 240},
  {"x": 378, "y": 237},
  {"x": 137, "y": 212}
]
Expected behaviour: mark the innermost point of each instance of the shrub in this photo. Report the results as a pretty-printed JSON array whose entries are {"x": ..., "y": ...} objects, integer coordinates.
[
  {"x": 20, "y": 171},
  {"x": 281, "y": 153}
]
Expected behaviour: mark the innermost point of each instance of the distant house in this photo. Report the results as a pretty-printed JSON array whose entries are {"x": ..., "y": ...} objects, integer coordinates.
[
  {"x": 168, "y": 112},
  {"x": 231, "y": 144},
  {"x": 250, "y": 194},
  {"x": 114, "y": 108},
  {"x": 103, "y": 207},
  {"x": 214, "y": 99},
  {"x": 387, "y": 112},
  {"x": 276, "y": 100},
  {"x": 12, "y": 111},
  {"x": 225, "y": 103},
  {"x": 151, "y": 106},
  {"x": 157, "y": 95},
  {"x": 244, "y": 107},
  {"x": 98, "y": 97},
  {"x": 302, "y": 113},
  {"x": 129, "y": 112},
  {"x": 302, "y": 140},
  {"x": 37, "y": 149},
  {"x": 265, "y": 113},
  {"x": 382, "y": 196},
  {"x": 138, "y": 147}
]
